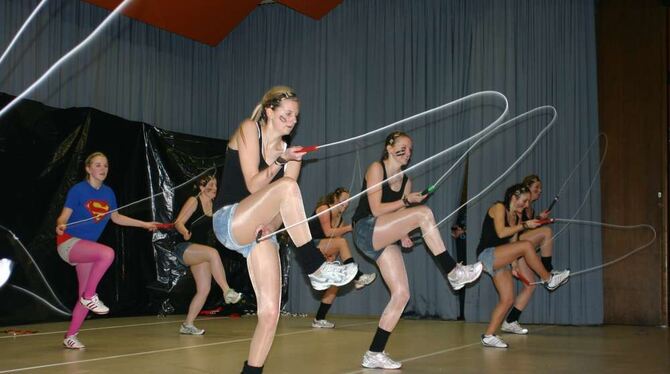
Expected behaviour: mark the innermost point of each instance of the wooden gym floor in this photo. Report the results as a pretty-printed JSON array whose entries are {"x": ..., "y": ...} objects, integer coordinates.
[{"x": 153, "y": 345}]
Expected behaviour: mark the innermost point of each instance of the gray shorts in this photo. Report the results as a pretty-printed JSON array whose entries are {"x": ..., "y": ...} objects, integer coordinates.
[
  {"x": 64, "y": 249},
  {"x": 179, "y": 250},
  {"x": 362, "y": 235},
  {"x": 222, "y": 221},
  {"x": 487, "y": 257}
]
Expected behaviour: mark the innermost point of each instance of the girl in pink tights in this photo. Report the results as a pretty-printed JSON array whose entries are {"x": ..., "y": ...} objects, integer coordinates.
[{"x": 77, "y": 243}]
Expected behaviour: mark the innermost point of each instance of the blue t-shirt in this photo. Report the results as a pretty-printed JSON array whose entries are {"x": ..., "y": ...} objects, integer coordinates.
[{"x": 86, "y": 202}]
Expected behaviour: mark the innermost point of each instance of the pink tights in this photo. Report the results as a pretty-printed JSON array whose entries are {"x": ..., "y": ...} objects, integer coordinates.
[{"x": 92, "y": 260}]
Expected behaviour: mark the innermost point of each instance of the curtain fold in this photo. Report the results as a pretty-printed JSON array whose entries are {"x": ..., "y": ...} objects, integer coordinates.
[{"x": 364, "y": 65}]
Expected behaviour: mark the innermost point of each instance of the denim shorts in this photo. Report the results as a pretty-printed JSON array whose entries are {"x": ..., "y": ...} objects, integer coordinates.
[
  {"x": 179, "y": 250},
  {"x": 487, "y": 257},
  {"x": 222, "y": 222},
  {"x": 363, "y": 230}
]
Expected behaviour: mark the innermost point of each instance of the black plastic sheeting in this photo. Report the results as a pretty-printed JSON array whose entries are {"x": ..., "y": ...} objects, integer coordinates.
[{"x": 42, "y": 151}]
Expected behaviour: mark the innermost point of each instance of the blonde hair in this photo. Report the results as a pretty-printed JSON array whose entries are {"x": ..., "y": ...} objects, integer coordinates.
[
  {"x": 93, "y": 155},
  {"x": 271, "y": 99},
  {"x": 89, "y": 160}
]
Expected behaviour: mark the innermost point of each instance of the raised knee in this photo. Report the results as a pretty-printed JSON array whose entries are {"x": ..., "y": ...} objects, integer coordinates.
[
  {"x": 288, "y": 186},
  {"x": 107, "y": 254},
  {"x": 527, "y": 246}
]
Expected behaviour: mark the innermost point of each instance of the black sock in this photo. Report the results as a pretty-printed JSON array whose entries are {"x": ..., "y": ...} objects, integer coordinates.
[
  {"x": 513, "y": 315},
  {"x": 445, "y": 261},
  {"x": 379, "y": 341},
  {"x": 309, "y": 257},
  {"x": 546, "y": 261},
  {"x": 323, "y": 310},
  {"x": 350, "y": 260},
  {"x": 251, "y": 369}
]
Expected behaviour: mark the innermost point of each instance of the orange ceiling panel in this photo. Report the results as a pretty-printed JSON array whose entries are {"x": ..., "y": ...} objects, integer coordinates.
[
  {"x": 206, "y": 21},
  {"x": 313, "y": 8}
]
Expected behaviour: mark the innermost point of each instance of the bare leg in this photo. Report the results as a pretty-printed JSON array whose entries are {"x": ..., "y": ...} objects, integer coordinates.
[
  {"x": 198, "y": 254},
  {"x": 541, "y": 237},
  {"x": 333, "y": 247},
  {"x": 265, "y": 273},
  {"x": 392, "y": 268},
  {"x": 329, "y": 295},
  {"x": 523, "y": 298},
  {"x": 203, "y": 282},
  {"x": 389, "y": 228},
  {"x": 507, "y": 253},
  {"x": 280, "y": 197},
  {"x": 505, "y": 287}
]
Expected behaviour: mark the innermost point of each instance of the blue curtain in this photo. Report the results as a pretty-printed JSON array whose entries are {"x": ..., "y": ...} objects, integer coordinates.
[{"x": 366, "y": 64}]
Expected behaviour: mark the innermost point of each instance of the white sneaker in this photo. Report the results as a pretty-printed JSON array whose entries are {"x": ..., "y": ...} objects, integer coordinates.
[
  {"x": 190, "y": 330},
  {"x": 464, "y": 274},
  {"x": 557, "y": 279},
  {"x": 332, "y": 274},
  {"x": 232, "y": 297},
  {"x": 493, "y": 341},
  {"x": 514, "y": 328},
  {"x": 379, "y": 360},
  {"x": 364, "y": 280},
  {"x": 72, "y": 342},
  {"x": 322, "y": 324},
  {"x": 94, "y": 304}
]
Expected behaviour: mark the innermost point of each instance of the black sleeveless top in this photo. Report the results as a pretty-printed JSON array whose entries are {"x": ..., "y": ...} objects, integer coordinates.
[
  {"x": 232, "y": 188},
  {"x": 489, "y": 237},
  {"x": 315, "y": 225},
  {"x": 388, "y": 196},
  {"x": 199, "y": 224}
]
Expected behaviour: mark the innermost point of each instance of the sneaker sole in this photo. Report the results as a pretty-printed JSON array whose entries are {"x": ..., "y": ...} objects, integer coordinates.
[
  {"x": 514, "y": 332},
  {"x": 67, "y": 347},
  {"x": 381, "y": 367}
]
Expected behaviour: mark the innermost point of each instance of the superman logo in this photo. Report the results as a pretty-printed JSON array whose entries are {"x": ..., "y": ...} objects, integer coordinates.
[{"x": 97, "y": 208}]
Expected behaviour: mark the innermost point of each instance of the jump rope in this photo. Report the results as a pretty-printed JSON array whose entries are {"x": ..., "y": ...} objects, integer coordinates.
[{"x": 429, "y": 190}]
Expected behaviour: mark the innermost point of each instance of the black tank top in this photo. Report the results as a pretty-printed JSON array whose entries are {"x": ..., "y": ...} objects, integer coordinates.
[
  {"x": 232, "y": 188},
  {"x": 199, "y": 224},
  {"x": 489, "y": 237},
  {"x": 315, "y": 225},
  {"x": 388, "y": 196}
]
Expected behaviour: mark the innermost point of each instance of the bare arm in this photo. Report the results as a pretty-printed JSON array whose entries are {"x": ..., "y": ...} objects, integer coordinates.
[
  {"x": 246, "y": 140},
  {"x": 327, "y": 227},
  {"x": 497, "y": 211},
  {"x": 184, "y": 214},
  {"x": 373, "y": 176},
  {"x": 122, "y": 220},
  {"x": 61, "y": 221}
]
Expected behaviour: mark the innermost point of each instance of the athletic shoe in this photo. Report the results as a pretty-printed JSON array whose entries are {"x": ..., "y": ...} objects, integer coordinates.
[
  {"x": 379, "y": 360},
  {"x": 332, "y": 274},
  {"x": 322, "y": 324},
  {"x": 72, "y": 342},
  {"x": 94, "y": 304},
  {"x": 232, "y": 297},
  {"x": 364, "y": 280},
  {"x": 493, "y": 341},
  {"x": 190, "y": 330},
  {"x": 464, "y": 274},
  {"x": 557, "y": 279},
  {"x": 514, "y": 328}
]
